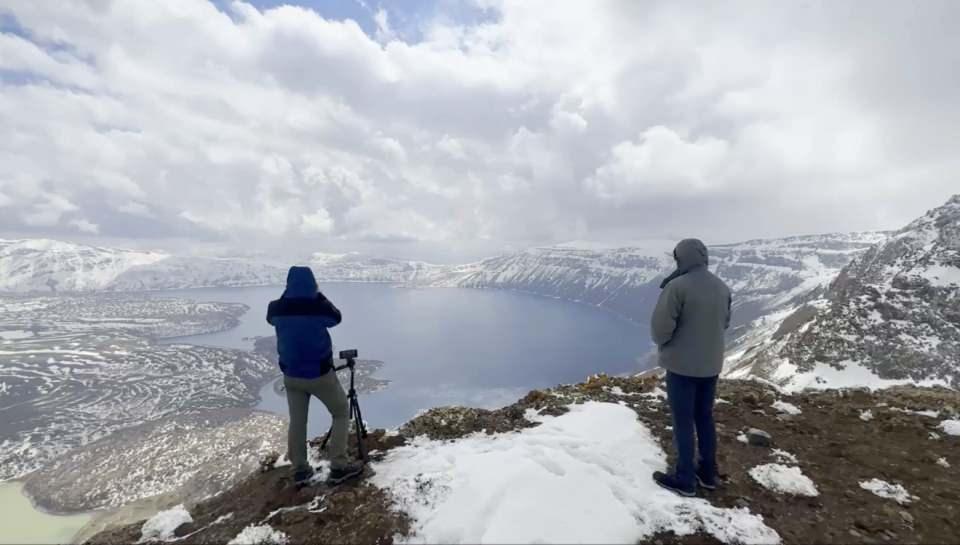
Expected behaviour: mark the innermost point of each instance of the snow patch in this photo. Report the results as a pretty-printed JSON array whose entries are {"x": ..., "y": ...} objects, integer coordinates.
[
  {"x": 866, "y": 415},
  {"x": 850, "y": 375},
  {"x": 784, "y": 456},
  {"x": 656, "y": 393},
  {"x": 884, "y": 489},
  {"x": 942, "y": 277},
  {"x": 942, "y": 462},
  {"x": 788, "y": 408},
  {"x": 929, "y": 414},
  {"x": 784, "y": 480},
  {"x": 743, "y": 438},
  {"x": 256, "y": 534},
  {"x": 592, "y": 464},
  {"x": 950, "y": 427},
  {"x": 160, "y": 527}
]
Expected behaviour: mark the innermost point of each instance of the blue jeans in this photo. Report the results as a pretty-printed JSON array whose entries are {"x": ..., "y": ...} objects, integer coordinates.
[{"x": 691, "y": 403}]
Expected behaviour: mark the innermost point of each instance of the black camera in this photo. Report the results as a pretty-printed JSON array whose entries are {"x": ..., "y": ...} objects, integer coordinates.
[{"x": 348, "y": 354}]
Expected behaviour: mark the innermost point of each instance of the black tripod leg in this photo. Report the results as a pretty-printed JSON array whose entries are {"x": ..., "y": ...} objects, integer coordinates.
[
  {"x": 361, "y": 433},
  {"x": 323, "y": 445},
  {"x": 361, "y": 426}
]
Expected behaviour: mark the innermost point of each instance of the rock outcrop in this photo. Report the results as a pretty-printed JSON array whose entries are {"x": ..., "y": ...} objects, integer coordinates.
[{"x": 893, "y": 314}]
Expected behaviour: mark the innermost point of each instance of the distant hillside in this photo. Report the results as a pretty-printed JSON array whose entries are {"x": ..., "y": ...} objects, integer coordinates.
[
  {"x": 892, "y": 315},
  {"x": 767, "y": 276},
  {"x": 51, "y": 265}
]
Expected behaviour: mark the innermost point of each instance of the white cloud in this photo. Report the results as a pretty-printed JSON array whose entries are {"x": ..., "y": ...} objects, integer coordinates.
[
  {"x": 548, "y": 122},
  {"x": 661, "y": 162},
  {"x": 452, "y": 147},
  {"x": 134, "y": 208},
  {"x": 47, "y": 211},
  {"x": 563, "y": 121},
  {"x": 85, "y": 226},
  {"x": 317, "y": 222}
]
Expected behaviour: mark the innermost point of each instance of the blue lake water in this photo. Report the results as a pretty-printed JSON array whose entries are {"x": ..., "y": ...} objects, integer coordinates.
[{"x": 446, "y": 346}]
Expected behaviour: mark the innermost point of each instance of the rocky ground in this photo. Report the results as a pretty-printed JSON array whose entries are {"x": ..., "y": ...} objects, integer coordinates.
[
  {"x": 838, "y": 438},
  {"x": 189, "y": 456}
]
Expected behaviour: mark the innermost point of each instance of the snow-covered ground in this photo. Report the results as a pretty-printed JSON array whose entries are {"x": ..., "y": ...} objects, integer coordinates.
[
  {"x": 584, "y": 476},
  {"x": 784, "y": 480},
  {"x": 162, "y": 525},
  {"x": 950, "y": 427},
  {"x": 15, "y": 334},
  {"x": 784, "y": 456},
  {"x": 260, "y": 535},
  {"x": 850, "y": 375},
  {"x": 786, "y": 408},
  {"x": 895, "y": 492},
  {"x": 89, "y": 367}
]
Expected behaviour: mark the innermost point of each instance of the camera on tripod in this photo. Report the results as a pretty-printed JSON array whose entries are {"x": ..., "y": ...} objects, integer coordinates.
[{"x": 355, "y": 414}]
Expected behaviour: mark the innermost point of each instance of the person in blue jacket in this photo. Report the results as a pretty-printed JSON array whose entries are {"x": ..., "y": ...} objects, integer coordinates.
[{"x": 302, "y": 317}]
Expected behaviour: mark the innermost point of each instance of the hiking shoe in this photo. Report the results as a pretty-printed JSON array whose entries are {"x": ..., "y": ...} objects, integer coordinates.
[
  {"x": 706, "y": 481},
  {"x": 345, "y": 473},
  {"x": 302, "y": 478},
  {"x": 670, "y": 483}
]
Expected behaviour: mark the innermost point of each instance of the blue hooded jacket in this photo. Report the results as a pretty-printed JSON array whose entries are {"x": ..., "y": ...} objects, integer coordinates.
[{"x": 301, "y": 317}]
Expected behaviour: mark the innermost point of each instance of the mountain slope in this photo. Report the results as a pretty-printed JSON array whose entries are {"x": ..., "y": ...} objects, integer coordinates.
[
  {"x": 51, "y": 265},
  {"x": 765, "y": 275},
  {"x": 620, "y": 280},
  {"x": 176, "y": 272},
  {"x": 893, "y": 314}
]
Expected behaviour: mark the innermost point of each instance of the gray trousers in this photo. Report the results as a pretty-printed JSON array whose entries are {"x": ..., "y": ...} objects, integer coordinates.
[{"x": 328, "y": 390}]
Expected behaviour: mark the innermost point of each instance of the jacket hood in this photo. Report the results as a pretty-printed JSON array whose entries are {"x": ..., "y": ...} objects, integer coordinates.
[
  {"x": 300, "y": 283},
  {"x": 690, "y": 254}
]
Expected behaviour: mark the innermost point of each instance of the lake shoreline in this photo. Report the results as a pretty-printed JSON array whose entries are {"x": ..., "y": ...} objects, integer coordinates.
[
  {"x": 458, "y": 346},
  {"x": 25, "y": 522}
]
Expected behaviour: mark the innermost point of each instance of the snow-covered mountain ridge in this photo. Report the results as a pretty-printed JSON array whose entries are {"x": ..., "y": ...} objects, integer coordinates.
[
  {"x": 765, "y": 274},
  {"x": 52, "y": 265},
  {"x": 891, "y": 316}
]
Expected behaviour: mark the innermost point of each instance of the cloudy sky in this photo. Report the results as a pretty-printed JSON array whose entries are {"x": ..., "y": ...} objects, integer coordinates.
[{"x": 446, "y": 129}]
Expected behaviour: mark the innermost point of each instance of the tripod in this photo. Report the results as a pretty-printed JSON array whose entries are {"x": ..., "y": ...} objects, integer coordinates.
[{"x": 355, "y": 415}]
